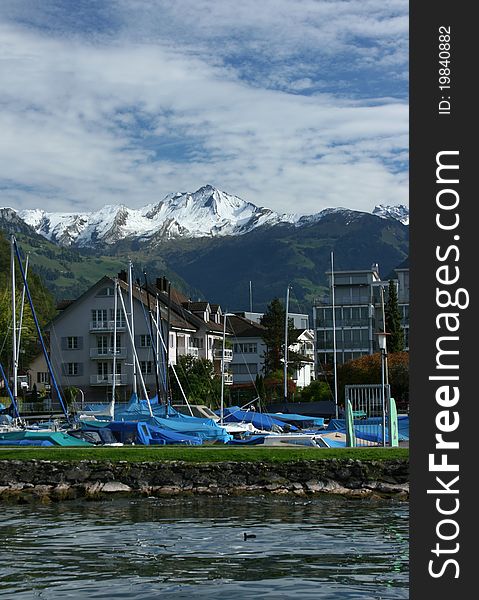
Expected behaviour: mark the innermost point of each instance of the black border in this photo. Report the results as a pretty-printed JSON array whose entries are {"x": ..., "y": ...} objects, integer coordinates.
[{"x": 430, "y": 133}]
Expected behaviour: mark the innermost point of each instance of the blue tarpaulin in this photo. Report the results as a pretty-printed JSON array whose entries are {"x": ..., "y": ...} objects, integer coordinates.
[
  {"x": 263, "y": 421},
  {"x": 146, "y": 434},
  {"x": 299, "y": 420}
]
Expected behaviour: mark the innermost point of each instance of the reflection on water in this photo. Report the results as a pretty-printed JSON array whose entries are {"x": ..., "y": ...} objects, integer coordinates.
[{"x": 327, "y": 547}]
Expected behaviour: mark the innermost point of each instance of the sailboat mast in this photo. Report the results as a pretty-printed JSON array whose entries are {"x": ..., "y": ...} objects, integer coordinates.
[
  {"x": 20, "y": 324},
  {"x": 14, "y": 322},
  {"x": 132, "y": 322},
  {"x": 222, "y": 404},
  {"x": 155, "y": 351},
  {"x": 168, "y": 326},
  {"x": 157, "y": 347},
  {"x": 115, "y": 312},
  {"x": 286, "y": 323},
  {"x": 135, "y": 355},
  {"x": 334, "y": 338}
]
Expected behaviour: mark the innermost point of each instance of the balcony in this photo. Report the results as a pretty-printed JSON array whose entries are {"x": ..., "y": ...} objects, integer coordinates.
[
  {"x": 218, "y": 354},
  {"x": 107, "y": 325},
  {"x": 108, "y": 379},
  {"x": 107, "y": 353}
]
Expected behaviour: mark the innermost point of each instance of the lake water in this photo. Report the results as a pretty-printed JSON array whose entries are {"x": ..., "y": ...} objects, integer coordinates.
[{"x": 194, "y": 547}]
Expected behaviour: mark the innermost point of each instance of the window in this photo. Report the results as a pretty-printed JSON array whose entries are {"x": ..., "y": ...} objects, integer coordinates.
[
  {"x": 72, "y": 342},
  {"x": 172, "y": 340},
  {"x": 251, "y": 368},
  {"x": 73, "y": 368},
  {"x": 102, "y": 369},
  {"x": 108, "y": 291},
  {"x": 145, "y": 340},
  {"x": 102, "y": 344},
  {"x": 120, "y": 317},
  {"x": 99, "y": 315},
  {"x": 246, "y": 348},
  {"x": 198, "y": 343},
  {"x": 146, "y": 367},
  {"x": 118, "y": 342},
  {"x": 43, "y": 377}
]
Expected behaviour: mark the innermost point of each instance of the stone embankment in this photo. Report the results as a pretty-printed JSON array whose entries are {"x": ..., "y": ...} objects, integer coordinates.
[{"x": 44, "y": 480}]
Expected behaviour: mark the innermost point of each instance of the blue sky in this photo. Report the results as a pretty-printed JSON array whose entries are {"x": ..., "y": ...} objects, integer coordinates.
[{"x": 296, "y": 106}]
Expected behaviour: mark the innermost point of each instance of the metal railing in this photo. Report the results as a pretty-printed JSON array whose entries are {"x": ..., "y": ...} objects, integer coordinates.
[
  {"x": 107, "y": 325},
  {"x": 107, "y": 379},
  {"x": 366, "y": 402},
  {"x": 107, "y": 353},
  {"x": 218, "y": 354}
]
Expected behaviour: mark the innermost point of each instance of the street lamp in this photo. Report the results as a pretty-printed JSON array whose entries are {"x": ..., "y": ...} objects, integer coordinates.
[{"x": 382, "y": 341}]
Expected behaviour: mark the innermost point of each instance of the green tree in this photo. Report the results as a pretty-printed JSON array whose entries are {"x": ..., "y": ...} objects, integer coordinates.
[
  {"x": 199, "y": 382},
  {"x": 395, "y": 341},
  {"x": 259, "y": 386},
  {"x": 274, "y": 321},
  {"x": 316, "y": 391},
  {"x": 43, "y": 303},
  {"x": 367, "y": 370}
]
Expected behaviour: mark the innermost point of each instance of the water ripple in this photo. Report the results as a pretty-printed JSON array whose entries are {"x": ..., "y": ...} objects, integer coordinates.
[{"x": 184, "y": 547}]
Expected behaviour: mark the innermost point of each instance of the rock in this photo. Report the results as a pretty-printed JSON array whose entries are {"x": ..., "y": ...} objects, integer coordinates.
[{"x": 112, "y": 487}]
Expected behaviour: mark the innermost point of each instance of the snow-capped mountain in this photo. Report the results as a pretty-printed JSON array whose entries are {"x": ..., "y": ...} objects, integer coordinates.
[
  {"x": 399, "y": 212},
  {"x": 206, "y": 212}
]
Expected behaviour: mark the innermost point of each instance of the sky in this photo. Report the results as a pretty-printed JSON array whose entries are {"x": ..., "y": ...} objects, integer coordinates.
[{"x": 296, "y": 106}]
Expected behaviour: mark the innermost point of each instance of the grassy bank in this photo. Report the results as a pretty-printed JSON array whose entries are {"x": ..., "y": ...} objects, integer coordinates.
[{"x": 201, "y": 454}]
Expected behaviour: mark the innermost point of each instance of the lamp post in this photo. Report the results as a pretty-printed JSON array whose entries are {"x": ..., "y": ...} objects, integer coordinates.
[{"x": 382, "y": 336}]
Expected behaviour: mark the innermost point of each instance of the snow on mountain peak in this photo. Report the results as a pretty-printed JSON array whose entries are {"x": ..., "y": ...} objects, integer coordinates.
[
  {"x": 208, "y": 212},
  {"x": 399, "y": 212}
]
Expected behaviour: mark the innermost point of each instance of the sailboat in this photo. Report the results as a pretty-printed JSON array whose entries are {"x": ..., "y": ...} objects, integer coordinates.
[
  {"x": 315, "y": 437},
  {"x": 18, "y": 433}
]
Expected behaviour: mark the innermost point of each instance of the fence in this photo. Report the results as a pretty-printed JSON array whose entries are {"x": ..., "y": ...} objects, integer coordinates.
[{"x": 368, "y": 414}]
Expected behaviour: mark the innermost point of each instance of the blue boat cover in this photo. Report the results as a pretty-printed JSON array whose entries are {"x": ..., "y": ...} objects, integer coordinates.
[
  {"x": 26, "y": 443},
  {"x": 299, "y": 420},
  {"x": 253, "y": 440},
  {"x": 263, "y": 421},
  {"x": 166, "y": 417},
  {"x": 371, "y": 429},
  {"x": 146, "y": 434}
]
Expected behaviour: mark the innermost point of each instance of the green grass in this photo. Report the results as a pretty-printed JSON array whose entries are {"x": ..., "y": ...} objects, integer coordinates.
[{"x": 202, "y": 454}]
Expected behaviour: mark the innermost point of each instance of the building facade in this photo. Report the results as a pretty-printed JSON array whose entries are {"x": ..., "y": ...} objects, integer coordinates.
[
  {"x": 249, "y": 350},
  {"x": 81, "y": 340},
  {"x": 359, "y": 298}
]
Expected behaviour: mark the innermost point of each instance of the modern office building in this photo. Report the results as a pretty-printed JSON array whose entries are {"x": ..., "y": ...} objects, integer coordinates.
[{"x": 359, "y": 298}]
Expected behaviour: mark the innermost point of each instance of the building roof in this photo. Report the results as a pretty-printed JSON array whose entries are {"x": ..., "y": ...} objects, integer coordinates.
[
  {"x": 181, "y": 318},
  {"x": 196, "y": 306},
  {"x": 177, "y": 321},
  {"x": 242, "y": 327}
]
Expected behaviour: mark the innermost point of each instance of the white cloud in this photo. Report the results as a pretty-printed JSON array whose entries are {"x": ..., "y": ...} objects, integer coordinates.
[{"x": 87, "y": 122}]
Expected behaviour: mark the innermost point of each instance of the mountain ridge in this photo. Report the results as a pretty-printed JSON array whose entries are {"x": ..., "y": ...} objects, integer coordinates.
[{"x": 208, "y": 212}]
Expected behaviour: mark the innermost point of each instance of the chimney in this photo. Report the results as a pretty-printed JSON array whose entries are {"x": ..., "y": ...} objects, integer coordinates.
[{"x": 162, "y": 284}]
